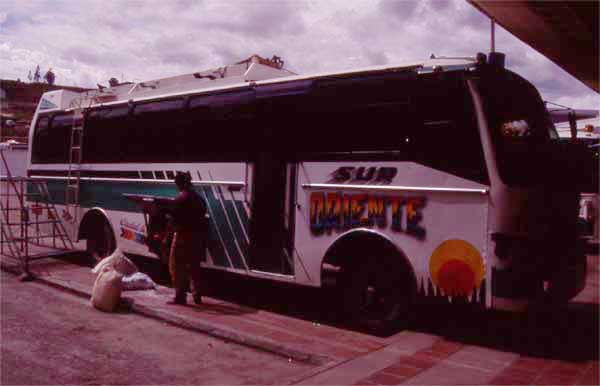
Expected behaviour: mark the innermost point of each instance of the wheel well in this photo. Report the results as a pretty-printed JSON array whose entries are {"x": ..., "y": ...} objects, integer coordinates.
[
  {"x": 356, "y": 247},
  {"x": 89, "y": 223}
]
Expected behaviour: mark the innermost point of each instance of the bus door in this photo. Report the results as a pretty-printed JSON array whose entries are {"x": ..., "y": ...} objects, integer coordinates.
[{"x": 272, "y": 221}]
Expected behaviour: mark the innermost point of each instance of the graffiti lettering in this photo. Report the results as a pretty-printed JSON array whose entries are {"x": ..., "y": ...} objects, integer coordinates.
[{"x": 337, "y": 211}]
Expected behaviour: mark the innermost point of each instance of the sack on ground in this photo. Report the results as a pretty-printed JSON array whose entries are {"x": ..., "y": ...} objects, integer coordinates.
[
  {"x": 119, "y": 262},
  {"x": 106, "y": 293},
  {"x": 137, "y": 281}
]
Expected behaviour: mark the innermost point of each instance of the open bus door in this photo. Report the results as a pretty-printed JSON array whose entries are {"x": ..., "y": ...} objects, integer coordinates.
[{"x": 273, "y": 204}]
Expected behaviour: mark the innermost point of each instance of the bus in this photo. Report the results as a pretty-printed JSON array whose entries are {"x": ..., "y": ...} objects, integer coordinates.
[{"x": 388, "y": 186}]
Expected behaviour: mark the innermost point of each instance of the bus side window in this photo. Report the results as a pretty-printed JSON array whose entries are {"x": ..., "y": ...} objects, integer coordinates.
[
  {"x": 337, "y": 115},
  {"x": 371, "y": 114},
  {"x": 222, "y": 126},
  {"x": 450, "y": 139},
  {"x": 106, "y": 135},
  {"x": 53, "y": 139},
  {"x": 41, "y": 136},
  {"x": 154, "y": 130}
]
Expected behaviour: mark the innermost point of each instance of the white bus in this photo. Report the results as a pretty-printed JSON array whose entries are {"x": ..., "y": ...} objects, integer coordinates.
[{"x": 394, "y": 185}]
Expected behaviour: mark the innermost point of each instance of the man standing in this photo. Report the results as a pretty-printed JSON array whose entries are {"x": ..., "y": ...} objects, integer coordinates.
[{"x": 189, "y": 239}]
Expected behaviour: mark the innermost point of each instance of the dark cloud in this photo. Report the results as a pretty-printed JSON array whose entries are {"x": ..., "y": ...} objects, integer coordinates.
[
  {"x": 404, "y": 9},
  {"x": 10, "y": 22},
  {"x": 376, "y": 58},
  {"x": 89, "y": 41},
  {"x": 442, "y": 5},
  {"x": 275, "y": 17},
  {"x": 467, "y": 15},
  {"x": 185, "y": 58},
  {"x": 229, "y": 55},
  {"x": 84, "y": 55},
  {"x": 260, "y": 19}
]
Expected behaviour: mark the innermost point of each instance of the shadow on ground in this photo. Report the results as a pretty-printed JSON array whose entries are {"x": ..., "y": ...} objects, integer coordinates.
[{"x": 566, "y": 332}]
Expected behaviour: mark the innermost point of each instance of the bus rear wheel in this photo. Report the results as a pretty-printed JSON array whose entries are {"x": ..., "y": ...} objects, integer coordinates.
[
  {"x": 372, "y": 297},
  {"x": 100, "y": 242}
]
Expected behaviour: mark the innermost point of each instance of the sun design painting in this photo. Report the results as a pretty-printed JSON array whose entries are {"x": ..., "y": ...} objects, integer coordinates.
[{"x": 456, "y": 268}]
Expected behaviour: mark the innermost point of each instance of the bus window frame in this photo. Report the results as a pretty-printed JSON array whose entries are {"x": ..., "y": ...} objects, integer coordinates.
[{"x": 40, "y": 157}]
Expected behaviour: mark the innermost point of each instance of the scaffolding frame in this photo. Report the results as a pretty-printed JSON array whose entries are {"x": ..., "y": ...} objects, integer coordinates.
[{"x": 28, "y": 216}]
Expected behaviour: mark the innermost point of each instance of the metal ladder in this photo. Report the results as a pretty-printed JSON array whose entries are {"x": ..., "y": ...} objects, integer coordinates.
[{"x": 72, "y": 202}]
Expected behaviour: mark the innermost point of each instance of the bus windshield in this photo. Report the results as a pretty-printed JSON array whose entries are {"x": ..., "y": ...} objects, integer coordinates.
[{"x": 521, "y": 129}]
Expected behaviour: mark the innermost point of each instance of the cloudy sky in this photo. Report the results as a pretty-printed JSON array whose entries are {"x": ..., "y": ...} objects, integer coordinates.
[{"x": 87, "y": 42}]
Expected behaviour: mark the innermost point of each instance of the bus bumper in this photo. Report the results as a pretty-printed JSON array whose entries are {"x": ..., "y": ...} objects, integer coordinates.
[{"x": 536, "y": 271}]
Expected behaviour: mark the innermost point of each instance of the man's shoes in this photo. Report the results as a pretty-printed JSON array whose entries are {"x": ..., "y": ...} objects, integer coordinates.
[{"x": 176, "y": 301}]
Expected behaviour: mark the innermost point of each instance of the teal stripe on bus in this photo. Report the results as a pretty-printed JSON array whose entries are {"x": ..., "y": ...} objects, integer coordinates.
[
  {"x": 243, "y": 215},
  {"x": 226, "y": 232},
  {"x": 235, "y": 224},
  {"x": 109, "y": 195},
  {"x": 215, "y": 246}
]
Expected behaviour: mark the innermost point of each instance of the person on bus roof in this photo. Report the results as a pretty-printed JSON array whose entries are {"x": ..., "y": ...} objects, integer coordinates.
[{"x": 189, "y": 240}]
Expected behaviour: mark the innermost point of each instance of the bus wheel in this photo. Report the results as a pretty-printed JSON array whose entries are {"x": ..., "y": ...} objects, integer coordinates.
[
  {"x": 373, "y": 297},
  {"x": 101, "y": 241}
]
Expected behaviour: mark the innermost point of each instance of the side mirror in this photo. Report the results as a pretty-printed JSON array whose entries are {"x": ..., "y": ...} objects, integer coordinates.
[{"x": 573, "y": 125}]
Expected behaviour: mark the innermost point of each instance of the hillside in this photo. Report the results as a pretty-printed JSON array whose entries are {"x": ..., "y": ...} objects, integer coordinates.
[{"x": 18, "y": 101}]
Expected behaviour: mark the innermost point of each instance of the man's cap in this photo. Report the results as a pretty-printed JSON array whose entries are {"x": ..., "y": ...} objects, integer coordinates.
[{"x": 183, "y": 178}]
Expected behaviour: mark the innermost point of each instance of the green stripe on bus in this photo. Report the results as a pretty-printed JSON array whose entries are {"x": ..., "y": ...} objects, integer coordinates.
[
  {"x": 243, "y": 215},
  {"x": 224, "y": 229},
  {"x": 235, "y": 224},
  {"x": 216, "y": 246},
  {"x": 109, "y": 195}
]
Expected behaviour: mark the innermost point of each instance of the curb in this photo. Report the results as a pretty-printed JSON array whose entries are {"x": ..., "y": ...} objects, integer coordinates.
[{"x": 263, "y": 344}]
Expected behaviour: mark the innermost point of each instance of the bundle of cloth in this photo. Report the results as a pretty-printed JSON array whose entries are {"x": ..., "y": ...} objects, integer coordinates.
[{"x": 116, "y": 273}]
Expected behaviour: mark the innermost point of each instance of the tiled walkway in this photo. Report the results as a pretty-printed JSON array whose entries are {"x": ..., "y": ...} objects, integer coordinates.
[{"x": 349, "y": 357}]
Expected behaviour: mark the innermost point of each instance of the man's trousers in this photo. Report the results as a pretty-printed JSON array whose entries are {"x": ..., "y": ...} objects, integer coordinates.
[{"x": 187, "y": 250}]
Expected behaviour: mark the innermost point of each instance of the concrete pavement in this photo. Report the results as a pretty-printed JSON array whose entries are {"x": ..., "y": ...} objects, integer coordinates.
[{"x": 509, "y": 354}]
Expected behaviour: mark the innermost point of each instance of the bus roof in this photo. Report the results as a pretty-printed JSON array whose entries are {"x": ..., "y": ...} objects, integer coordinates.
[{"x": 243, "y": 74}]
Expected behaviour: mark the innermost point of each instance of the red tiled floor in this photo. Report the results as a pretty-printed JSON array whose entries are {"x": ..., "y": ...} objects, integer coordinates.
[
  {"x": 545, "y": 379},
  {"x": 360, "y": 341},
  {"x": 506, "y": 380},
  {"x": 444, "y": 347},
  {"x": 332, "y": 350},
  {"x": 383, "y": 378},
  {"x": 566, "y": 369},
  {"x": 591, "y": 376},
  {"x": 366, "y": 382},
  {"x": 402, "y": 370},
  {"x": 410, "y": 365},
  {"x": 516, "y": 373},
  {"x": 419, "y": 361},
  {"x": 530, "y": 364}
]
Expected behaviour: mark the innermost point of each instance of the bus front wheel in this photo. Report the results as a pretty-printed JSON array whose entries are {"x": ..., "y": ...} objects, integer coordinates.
[
  {"x": 100, "y": 242},
  {"x": 373, "y": 297}
]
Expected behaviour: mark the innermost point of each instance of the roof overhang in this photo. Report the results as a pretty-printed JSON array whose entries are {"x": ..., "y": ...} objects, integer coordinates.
[{"x": 566, "y": 32}]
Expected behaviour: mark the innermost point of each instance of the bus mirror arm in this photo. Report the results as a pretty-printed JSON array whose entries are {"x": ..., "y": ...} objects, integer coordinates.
[{"x": 573, "y": 125}]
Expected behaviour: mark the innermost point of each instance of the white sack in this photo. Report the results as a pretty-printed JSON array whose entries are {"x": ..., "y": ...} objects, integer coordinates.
[
  {"x": 137, "y": 281},
  {"x": 106, "y": 293},
  {"x": 118, "y": 261}
]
